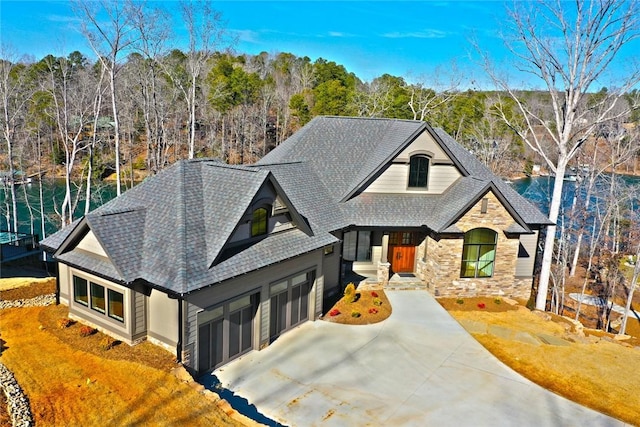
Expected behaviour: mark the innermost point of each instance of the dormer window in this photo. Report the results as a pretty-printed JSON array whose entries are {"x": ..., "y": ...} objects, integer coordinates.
[
  {"x": 259, "y": 222},
  {"x": 418, "y": 171}
]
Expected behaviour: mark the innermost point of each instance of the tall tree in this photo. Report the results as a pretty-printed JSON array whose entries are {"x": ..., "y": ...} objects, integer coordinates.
[
  {"x": 14, "y": 95},
  {"x": 108, "y": 27},
  {"x": 205, "y": 27},
  {"x": 569, "y": 48}
]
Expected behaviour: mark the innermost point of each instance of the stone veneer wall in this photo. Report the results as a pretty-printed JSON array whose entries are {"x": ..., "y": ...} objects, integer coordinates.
[{"x": 441, "y": 267}]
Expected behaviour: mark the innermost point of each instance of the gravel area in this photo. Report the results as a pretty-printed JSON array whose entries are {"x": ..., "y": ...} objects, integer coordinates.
[
  {"x": 17, "y": 402},
  {"x": 39, "y": 301}
]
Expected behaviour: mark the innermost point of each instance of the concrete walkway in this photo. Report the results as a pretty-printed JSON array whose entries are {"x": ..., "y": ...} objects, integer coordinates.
[{"x": 417, "y": 368}]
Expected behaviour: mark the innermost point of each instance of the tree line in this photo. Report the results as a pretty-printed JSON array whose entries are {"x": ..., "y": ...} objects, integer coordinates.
[{"x": 144, "y": 104}]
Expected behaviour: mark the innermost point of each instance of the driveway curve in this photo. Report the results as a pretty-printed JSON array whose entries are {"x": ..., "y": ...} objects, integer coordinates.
[{"x": 417, "y": 368}]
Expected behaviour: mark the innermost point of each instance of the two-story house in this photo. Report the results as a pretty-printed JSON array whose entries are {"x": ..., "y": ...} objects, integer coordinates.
[{"x": 212, "y": 261}]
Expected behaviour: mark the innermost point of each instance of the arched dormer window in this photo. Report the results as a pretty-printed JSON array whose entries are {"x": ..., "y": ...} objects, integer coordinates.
[
  {"x": 478, "y": 253},
  {"x": 418, "y": 171},
  {"x": 259, "y": 221}
]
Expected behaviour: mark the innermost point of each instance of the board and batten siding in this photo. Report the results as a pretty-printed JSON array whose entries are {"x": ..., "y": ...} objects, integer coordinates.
[{"x": 527, "y": 257}]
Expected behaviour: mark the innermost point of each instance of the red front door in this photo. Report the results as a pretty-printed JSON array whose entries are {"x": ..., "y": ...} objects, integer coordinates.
[{"x": 402, "y": 252}]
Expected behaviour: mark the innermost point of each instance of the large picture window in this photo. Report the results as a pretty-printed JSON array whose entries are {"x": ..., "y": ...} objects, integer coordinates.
[
  {"x": 478, "y": 253},
  {"x": 357, "y": 246},
  {"x": 418, "y": 171},
  {"x": 259, "y": 222}
]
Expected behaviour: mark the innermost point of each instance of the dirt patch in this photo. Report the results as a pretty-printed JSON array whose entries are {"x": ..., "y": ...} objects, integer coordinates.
[
  {"x": 369, "y": 307},
  {"x": 5, "y": 419}
]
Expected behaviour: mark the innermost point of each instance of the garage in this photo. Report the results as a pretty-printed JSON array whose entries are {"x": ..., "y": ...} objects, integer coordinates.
[
  {"x": 226, "y": 331},
  {"x": 289, "y": 302}
]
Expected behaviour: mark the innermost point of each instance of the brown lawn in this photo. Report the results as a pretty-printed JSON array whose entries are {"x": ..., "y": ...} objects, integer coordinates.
[
  {"x": 595, "y": 371},
  {"x": 71, "y": 380}
]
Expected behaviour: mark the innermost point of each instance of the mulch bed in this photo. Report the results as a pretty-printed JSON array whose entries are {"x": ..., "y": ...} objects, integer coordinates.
[
  {"x": 367, "y": 312},
  {"x": 27, "y": 292}
]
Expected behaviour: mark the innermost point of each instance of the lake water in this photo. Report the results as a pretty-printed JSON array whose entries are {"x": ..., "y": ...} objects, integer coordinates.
[
  {"x": 53, "y": 194},
  {"x": 536, "y": 189},
  {"x": 539, "y": 189}
]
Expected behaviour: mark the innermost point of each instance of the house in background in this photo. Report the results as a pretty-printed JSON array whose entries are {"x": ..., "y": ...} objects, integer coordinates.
[{"x": 213, "y": 261}]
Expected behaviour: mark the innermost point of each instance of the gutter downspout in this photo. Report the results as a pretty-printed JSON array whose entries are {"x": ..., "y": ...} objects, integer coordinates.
[{"x": 179, "y": 344}]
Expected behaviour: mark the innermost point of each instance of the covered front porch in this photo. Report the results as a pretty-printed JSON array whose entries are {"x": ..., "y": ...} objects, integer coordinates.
[{"x": 392, "y": 259}]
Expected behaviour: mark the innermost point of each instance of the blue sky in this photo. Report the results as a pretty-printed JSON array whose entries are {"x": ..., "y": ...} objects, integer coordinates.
[{"x": 412, "y": 39}]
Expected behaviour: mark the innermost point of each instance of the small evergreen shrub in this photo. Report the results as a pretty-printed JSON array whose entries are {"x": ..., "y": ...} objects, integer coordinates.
[
  {"x": 460, "y": 301},
  {"x": 497, "y": 301},
  {"x": 350, "y": 292},
  {"x": 355, "y": 313},
  {"x": 377, "y": 302},
  {"x": 374, "y": 294}
]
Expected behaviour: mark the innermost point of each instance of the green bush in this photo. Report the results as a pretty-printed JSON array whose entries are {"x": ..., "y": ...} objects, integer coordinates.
[
  {"x": 355, "y": 313},
  {"x": 377, "y": 301},
  {"x": 350, "y": 293}
]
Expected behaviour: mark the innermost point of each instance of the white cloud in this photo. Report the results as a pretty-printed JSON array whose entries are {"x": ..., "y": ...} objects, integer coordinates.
[{"x": 423, "y": 34}]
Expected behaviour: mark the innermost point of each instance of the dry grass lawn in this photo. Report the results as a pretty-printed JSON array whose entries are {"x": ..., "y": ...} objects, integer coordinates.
[
  {"x": 594, "y": 371},
  {"x": 70, "y": 380}
]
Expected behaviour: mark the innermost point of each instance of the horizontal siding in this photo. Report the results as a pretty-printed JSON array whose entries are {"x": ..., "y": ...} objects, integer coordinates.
[
  {"x": 425, "y": 144},
  {"x": 524, "y": 265},
  {"x": 140, "y": 325},
  {"x": 394, "y": 180}
]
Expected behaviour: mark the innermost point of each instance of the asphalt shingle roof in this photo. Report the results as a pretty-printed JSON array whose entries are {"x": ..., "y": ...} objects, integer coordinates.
[{"x": 171, "y": 229}]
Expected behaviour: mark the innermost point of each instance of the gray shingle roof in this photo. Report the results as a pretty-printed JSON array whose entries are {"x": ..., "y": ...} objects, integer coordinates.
[
  {"x": 344, "y": 151},
  {"x": 171, "y": 228}
]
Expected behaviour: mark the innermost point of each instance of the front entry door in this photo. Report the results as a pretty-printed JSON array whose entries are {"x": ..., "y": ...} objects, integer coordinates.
[{"x": 402, "y": 252}]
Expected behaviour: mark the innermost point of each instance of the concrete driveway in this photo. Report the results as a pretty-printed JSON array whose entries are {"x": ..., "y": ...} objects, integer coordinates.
[{"x": 419, "y": 367}]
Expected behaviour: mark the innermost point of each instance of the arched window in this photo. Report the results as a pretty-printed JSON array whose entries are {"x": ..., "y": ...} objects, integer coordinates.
[
  {"x": 418, "y": 171},
  {"x": 478, "y": 253},
  {"x": 259, "y": 222}
]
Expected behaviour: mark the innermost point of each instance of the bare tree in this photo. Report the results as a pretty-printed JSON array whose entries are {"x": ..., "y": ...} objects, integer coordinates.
[
  {"x": 13, "y": 97},
  {"x": 570, "y": 48},
  {"x": 206, "y": 33},
  {"x": 109, "y": 38}
]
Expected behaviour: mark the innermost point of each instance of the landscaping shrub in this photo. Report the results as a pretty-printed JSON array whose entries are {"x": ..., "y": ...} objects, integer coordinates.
[
  {"x": 481, "y": 305},
  {"x": 459, "y": 301},
  {"x": 65, "y": 323},
  {"x": 85, "y": 331},
  {"x": 374, "y": 294},
  {"x": 377, "y": 301},
  {"x": 497, "y": 301},
  {"x": 350, "y": 292},
  {"x": 373, "y": 310},
  {"x": 355, "y": 313},
  {"x": 334, "y": 312}
]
